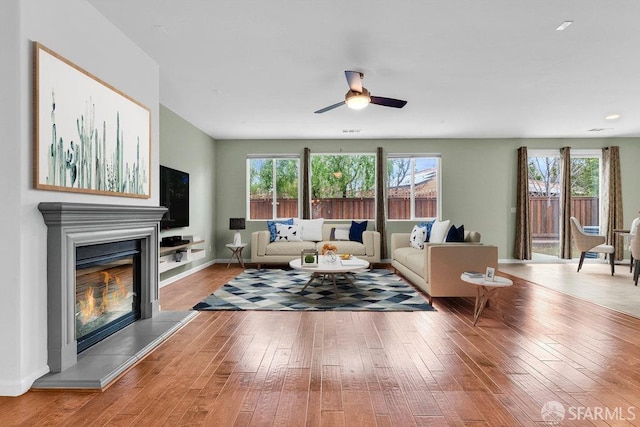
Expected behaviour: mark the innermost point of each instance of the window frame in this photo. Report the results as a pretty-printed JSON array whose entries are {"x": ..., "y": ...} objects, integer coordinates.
[
  {"x": 413, "y": 157},
  {"x": 274, "y": 195},
  {"x": 575, "y": 153},
  {"x": 373, "y": 190}
]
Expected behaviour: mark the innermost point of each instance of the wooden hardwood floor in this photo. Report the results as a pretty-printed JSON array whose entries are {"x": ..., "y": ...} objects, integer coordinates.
[{"x": 531, "y": 346}]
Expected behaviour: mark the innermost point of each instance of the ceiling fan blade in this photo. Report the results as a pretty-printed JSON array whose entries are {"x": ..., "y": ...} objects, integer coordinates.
[
  {"x": 388, "y": 102},
  {"x": 330, "y": 107},
  {"x": 354, "y": 78}
]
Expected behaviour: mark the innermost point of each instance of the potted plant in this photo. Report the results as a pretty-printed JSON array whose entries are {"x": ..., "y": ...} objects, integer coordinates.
[{"x": 309, "y": 258}]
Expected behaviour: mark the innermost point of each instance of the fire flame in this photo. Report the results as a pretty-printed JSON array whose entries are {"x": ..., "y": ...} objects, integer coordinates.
[{"x": 92, "y": 307}]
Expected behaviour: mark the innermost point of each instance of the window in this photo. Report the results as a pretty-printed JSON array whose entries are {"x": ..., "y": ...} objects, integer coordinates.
[
  {"x": 413, "y": 189},
  {"x": 343, "y": 186},
  {"x": 544, "y": 196},
  {"x": 273, "y": 187}
]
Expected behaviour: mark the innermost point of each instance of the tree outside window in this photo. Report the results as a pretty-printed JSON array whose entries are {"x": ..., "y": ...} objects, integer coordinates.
[{"x": 343, "y": 186}]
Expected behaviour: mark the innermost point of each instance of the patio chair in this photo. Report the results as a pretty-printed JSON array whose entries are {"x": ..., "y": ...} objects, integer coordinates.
[
  {"x": 635, "y": 225},
  {"x": 635, "y": 257},
  {"x": 590, "y": 243}
]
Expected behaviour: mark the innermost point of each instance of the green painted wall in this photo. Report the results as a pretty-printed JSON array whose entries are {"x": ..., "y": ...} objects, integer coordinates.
[
  {"x": 186, "y": 148},
  {"x": 478, "y": 179}
]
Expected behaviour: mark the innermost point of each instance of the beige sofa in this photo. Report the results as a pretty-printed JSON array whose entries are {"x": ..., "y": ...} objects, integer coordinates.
[
  {"x": 265, "y": 252},
  {"x": 436, "y": 269}
]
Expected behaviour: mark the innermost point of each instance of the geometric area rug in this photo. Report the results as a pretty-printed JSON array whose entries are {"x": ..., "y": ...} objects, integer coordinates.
[{"x": 281, "y": 290}]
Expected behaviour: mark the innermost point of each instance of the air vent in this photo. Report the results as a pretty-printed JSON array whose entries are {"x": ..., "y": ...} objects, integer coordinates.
[{"x": 351, "y": 130}]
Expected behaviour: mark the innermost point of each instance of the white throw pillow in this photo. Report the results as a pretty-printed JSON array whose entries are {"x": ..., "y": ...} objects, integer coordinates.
[
  {"x": 311, "y": 228},
  {"x": 287, "y": 233},
  {"x": 439, "y": 231},
  {"x": 340, "y": 233},
  {"x": 418, "y": 236}
]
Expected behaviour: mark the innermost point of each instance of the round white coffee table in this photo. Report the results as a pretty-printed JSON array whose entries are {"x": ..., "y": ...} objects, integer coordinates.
[
  {"x": 326, "y": 269},
  {"x": 485, "y": 289}
]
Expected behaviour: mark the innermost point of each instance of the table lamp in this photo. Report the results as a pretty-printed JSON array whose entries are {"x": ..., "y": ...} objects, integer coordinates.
[{"x": 236, "y": 224}]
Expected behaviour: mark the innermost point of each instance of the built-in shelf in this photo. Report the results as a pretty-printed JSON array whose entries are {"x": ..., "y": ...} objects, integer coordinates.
[{"x": 189, "y": 254}]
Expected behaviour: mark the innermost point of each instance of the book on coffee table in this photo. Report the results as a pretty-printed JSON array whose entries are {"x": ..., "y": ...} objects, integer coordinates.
[
  {"x": 473, "y": 274},
  {"x": 349, "y": 262}
]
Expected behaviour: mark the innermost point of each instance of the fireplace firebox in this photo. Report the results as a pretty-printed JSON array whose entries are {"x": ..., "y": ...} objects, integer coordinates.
[{"x": 107, "y": 290}]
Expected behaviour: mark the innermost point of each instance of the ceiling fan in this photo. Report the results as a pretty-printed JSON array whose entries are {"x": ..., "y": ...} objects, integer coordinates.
[{"x": 359, "y": 97}]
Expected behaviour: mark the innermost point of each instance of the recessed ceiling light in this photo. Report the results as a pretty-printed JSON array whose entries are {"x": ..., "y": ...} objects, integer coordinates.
[
  {"x": 564, "y": 25},
  {"x": 612, "y": 117}
]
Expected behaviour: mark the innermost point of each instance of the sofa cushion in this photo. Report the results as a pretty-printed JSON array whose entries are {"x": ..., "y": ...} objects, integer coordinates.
[
  {"x": 401, "y": 254},
  {"x": 288, "y": 248},
  {"x": 356, "y": 230},
  {"x": 455, "y": 234},
  {"x": 311, "y": 228},
  {"x": 345, "y": 247},
  {"x": 271, "y": 225},
  {"x": 415, "y": 262},
  {"x": 418, "y": 237},
  {"x": 439, "y": 231},
  {"x": 288, "y": 233}
]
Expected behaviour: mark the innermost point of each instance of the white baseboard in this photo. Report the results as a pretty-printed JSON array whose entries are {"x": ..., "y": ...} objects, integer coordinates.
[
  {"x": 21, "y": 386},
  {"x": 233, "y": 261},
  {"x": 186, "y": 273}
]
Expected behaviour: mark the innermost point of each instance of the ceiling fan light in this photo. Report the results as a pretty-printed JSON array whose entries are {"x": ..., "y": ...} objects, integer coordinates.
[{"x": 358, "y": 102}]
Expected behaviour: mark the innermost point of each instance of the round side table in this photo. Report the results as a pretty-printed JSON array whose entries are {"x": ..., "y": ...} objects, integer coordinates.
[{"x": 485, "y": 289}]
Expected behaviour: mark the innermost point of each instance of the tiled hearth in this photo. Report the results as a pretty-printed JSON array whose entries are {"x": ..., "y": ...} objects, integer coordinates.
[{"x": 72, "y": 225}]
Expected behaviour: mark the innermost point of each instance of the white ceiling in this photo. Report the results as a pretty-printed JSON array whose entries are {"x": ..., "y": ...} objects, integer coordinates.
[{"x": 245, "y": 69}]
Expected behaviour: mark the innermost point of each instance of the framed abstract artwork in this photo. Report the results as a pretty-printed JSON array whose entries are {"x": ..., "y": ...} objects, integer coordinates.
[{"x": 89, "y": 136}]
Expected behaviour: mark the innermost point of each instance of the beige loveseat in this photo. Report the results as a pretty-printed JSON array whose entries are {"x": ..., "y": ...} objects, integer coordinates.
[
  {"x": 265, "y": 252},
  {"x": 436, "y": 269}
]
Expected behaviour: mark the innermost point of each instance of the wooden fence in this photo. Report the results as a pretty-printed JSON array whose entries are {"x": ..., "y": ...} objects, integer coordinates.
[
  {"x": 545, "y": 214},
  {"x": 341, "y": 208},
  {"x": 545, "y": 211}
]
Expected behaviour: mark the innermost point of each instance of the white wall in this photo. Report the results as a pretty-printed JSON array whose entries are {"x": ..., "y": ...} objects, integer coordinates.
[
  {"x": 75, "y": 30},
  {"x": 10, "y": 170}
]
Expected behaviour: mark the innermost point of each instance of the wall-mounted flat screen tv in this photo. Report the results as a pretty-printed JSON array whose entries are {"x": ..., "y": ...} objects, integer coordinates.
[{"x": 174, "y": 195}]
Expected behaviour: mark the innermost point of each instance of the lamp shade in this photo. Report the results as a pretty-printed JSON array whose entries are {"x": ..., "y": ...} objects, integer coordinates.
[{"x": 236, "y": 224}]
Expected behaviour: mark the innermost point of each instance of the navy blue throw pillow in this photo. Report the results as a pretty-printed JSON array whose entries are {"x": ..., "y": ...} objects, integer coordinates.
[
  {"x": 356, "y": 230},
  {"x": 455, "y": 234}
]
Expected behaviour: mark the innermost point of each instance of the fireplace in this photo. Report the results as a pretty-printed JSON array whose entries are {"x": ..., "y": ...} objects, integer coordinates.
[
  {"x": 103, "y": 260},
  {"x": 107, "y": 289}
]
